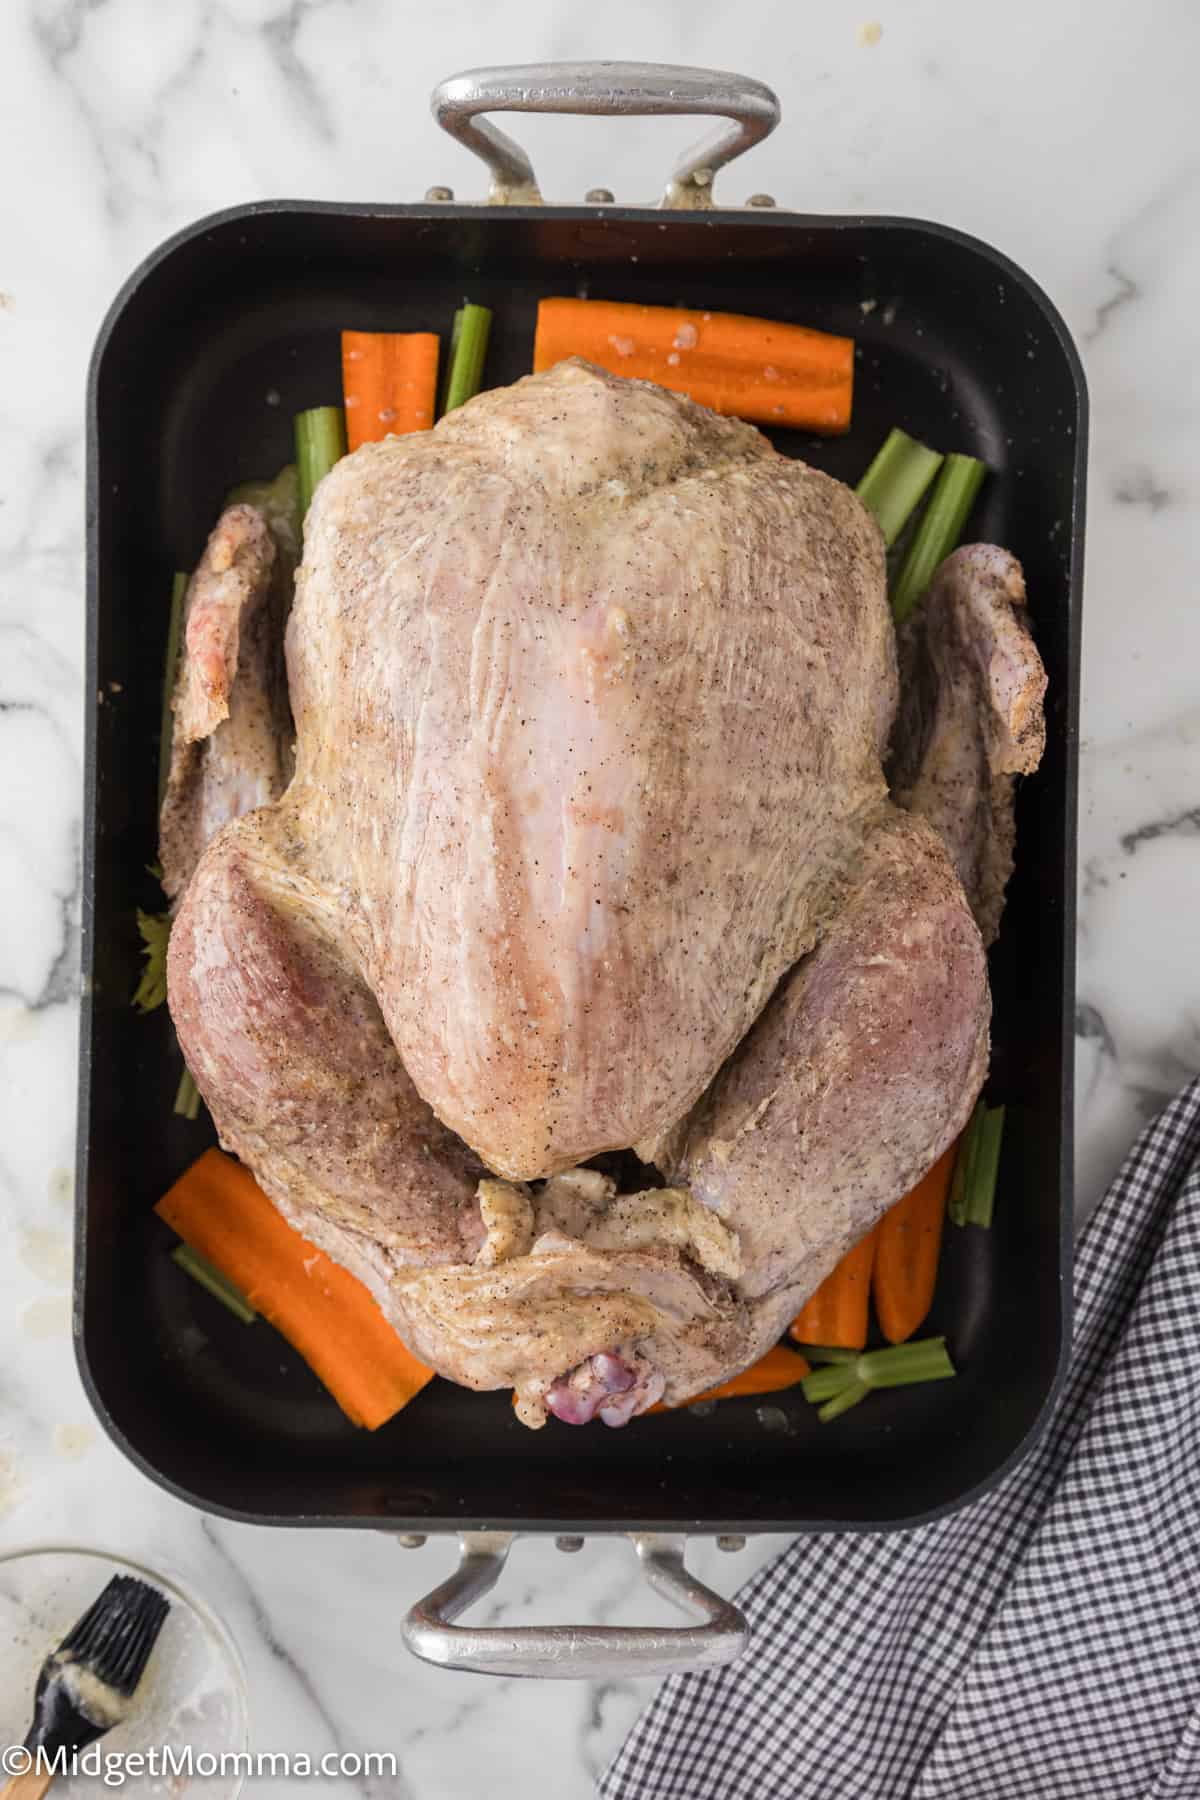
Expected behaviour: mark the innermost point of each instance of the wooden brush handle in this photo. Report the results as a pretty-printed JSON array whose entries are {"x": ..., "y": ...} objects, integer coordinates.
[{"x": 30, "y": 1786}]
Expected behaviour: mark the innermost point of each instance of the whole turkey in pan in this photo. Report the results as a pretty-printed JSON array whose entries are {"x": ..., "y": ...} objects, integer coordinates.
[{"x": 589, "y": 847}]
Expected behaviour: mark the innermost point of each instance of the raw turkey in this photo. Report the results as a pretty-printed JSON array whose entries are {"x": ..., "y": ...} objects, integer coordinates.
[{"x": 589, "y": 848}]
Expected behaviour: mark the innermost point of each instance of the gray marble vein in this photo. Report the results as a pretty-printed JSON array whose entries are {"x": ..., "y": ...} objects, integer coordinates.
[
  {"x": 281, "y": 34},
  {"x": 1125, "y": 290},
  {"x": 370, "y": 1787},
  {"x": 1089, "y": 1024},
  {"x": 1140, "y": 487},
  {"x": 1180, "y": 824}
]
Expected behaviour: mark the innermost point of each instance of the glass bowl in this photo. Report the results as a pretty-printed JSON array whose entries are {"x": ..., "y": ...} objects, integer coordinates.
[{"x": 192, "y": 1697}]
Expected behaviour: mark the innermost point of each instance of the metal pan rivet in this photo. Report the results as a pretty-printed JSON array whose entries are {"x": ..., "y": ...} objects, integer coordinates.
[
  {"x": 411, "y": 1540},
  {"x": 731, "y": 1541},
  {"x": 439, "y": 193},
  {"x": 569, "y": 1544},
  {"x": 599, "y": 197},
  {"x": 761, "y": 200}
]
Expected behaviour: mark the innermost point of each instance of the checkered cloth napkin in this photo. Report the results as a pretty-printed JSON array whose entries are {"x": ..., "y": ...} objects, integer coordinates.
[{"x": 1041, "y": 1644}]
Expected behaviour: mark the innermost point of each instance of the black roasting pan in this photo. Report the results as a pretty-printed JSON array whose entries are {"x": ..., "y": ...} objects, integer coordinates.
[{"x": 211, "y": 346}]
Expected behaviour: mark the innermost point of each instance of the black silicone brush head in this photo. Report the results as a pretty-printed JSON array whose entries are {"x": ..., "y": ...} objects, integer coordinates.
[{"x": 84, "y": 1687}]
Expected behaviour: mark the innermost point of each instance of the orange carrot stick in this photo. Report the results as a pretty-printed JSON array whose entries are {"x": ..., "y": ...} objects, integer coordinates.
[
  {"x": 906, "y": 1257},
  {"x": 218, "y": 1208},
  {"x": 779, "y": 1368},
  {"x": 389, "y": 383},
  {"x": 755, "y": 368},
  {"x": 836, "y": 1314}
]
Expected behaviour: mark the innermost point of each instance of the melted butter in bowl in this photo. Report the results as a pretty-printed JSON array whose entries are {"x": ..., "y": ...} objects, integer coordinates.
[{"x": 192, "y": 1695}]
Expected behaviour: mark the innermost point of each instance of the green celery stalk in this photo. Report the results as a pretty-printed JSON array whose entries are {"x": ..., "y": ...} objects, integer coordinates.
[
  {"x": 179, "y": 584},
  {"x": 830, "y": 1353},
  {"x": 456, "y": 325},
  {"x": 973, "y": 1189},
  {"x": 151, "y": 990},
  {"x": 904, "y": 1365},
  {"x": 822, "y": 1384},
  {"x": 938, "y": 532},
  {"x": 848, "y": 1396},
  {"x": 895, "y": 483},
  {"x": 187, "y": 1096},
  {"x": 217, "y": 1283},
  {"x": 956, "y": 1205},
  {"x": 839, "y": 1385},
  {"x": 468, "y": 349},
  {"x": 279, "y": 502},
  {"x": 320, "y": 442},
  {"x": 981, "y": 1188}
]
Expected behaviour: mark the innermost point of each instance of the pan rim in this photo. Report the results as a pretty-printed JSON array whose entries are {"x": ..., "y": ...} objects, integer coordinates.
[
  {"x": 748, "y": 218},
  {"x": 756, "y": 221}
]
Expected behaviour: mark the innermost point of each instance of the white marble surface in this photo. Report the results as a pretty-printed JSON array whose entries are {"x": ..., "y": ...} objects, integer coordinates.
[{"x": 1064, "y": 134}]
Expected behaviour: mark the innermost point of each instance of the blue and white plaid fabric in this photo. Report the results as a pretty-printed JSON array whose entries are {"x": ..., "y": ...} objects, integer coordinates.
[{"x": 1042, "y": 1644}]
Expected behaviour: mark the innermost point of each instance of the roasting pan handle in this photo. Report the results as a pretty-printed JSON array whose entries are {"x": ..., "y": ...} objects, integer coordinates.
[
  {"x": 574, "y": 1652},
  {"x": 603, "y": 89}
]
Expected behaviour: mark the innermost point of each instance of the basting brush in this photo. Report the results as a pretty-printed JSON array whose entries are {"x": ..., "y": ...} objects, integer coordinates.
[{"x": 85, "y": 1687}]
